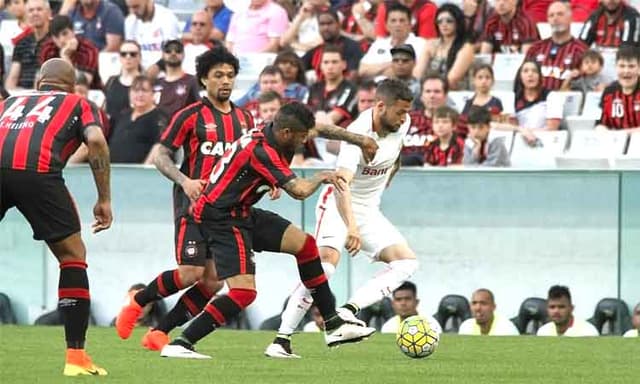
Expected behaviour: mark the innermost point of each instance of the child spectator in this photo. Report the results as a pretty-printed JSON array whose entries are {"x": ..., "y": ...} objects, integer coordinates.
[
  {"x": 482, "y": 83},
  {"x": 269, "y": 104},
  {"x": 589, "y": 77},
  {"x": 448, "y": 147},
  {"x": 478, "y": 149}
]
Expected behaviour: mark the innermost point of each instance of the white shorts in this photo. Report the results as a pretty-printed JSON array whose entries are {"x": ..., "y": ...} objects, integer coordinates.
[{"x": 376, "y": 231}]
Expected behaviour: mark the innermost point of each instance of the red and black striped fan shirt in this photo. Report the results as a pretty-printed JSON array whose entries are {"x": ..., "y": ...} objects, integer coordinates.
[
  {"x": 41, "y": 129},
  {"x": 204, "y": 133},
  {"x": 434, "y": 155},
  {"x": 245, "y": 173},
  {"x": 620, "y": 111},
  {"x": 557, "y": 60},
  {"x": 624, "y": 27},
  {"x": 509, "y": 37}
]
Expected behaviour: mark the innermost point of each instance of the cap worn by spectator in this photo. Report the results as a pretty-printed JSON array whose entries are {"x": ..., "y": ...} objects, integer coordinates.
[{"x": 404, "y": 48}]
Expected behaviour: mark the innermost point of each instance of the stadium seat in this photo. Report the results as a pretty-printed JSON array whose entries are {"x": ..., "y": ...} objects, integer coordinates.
[
  {"x": 611, "y": 317},
  {"x": 591, "y": 107},
  {"x": 544, "y": 29},
  {"x": 251, "y": 64},
  {"x": 580, "y": 123},
  {"x": 609, "y": 68},
  {"x": 626, "y": 162},
  {"x": 531, "y": 316},
  {"x": 460, "y": 98},
  {"x": 508, "y": 137},
  {"x": 108, "y": 65},
  {"x": 508, "y": 99},
  {"x": 569, "y": 161},
  {"x": 572, "y": 101},
  {"x": 7, "y": 316},
  {"x": 484, "y": 58},
  {"x": 634, "y": 145},
  {"x": 552, "y": 144},
  {"x": 594, "y": 143},
  {"x": 452, "y": 311},
  {"x": 97, "y": 96},
  {"x": 505, "y": 68},
  {"x": 576, "y": 28},
  {"x": 377, "y": 314}
]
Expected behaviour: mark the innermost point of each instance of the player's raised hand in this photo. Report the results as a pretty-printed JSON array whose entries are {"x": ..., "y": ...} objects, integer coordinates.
[
  {"x": 103, "y": 216},
  {"x": 331, "y": 177},
  {"x": 275, "y": 193},
  {"x": 369, "y": 149},
  {"x": 353, "y": 243},
  {"x": 193, "y": 188}
]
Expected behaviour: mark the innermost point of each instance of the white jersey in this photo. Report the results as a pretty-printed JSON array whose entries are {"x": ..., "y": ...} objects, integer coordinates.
[
  {"x": 370, "y": 180},
  {"x": 578, "y": 328},
  {"x": 151, "y": 34}
]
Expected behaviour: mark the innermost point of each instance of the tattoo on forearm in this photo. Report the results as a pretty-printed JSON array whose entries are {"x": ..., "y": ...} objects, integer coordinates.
[
  {"x": 166, "y": 166},
  {"x": 99, "y": 163}
]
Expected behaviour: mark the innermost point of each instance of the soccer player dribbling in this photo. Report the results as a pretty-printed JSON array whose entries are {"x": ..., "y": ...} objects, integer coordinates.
[{"x": 39, "y": 130}]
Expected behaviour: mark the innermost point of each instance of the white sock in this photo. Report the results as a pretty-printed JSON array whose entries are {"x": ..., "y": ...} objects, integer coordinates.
[
  {"x": 382, "y": 285},
  {"x": 299, "y": 303}
]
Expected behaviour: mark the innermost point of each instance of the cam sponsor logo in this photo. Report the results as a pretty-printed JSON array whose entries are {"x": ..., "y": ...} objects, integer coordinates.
[{"x": 214, "y": 149}]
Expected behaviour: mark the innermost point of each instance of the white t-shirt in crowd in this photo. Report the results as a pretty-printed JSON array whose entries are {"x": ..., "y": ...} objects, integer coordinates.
[
  {"x": 535, "y": 115},
  {"x": 499, "y": 327},
  {"x": 151, "y": 34},
  {"x": 631, "y": 333},
  {"x": 380, "y": 50},
  {"x": 579, "y": 328}
]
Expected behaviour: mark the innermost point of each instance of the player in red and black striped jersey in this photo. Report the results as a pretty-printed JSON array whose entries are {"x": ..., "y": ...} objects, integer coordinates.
[
  {"x": 38, "y": 132},
  {"x": 613, "y": 24},
  {"x": 561, "y": 53},
  {"x": 508, "y": 30},
  {"x": 620, "y": 101},
  {"x": 255, "y": 164},
  {"x": 204, "y": 130}
]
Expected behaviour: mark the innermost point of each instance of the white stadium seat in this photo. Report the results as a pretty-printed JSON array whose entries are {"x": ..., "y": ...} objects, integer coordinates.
[
  {"x": 505, "y": 68},
  {"x": 576, "y": 28},
  {"x": 626, "y": 162},
  {"x": 581, "y": 162},
  {"x": 634, "y": 145},
  {"x": 544, "y": 29},
  {"x": 591, "y": 107},
  {"x": 594, "y": 143},
  {"x": 580, "y": 123},
  {"x": 108, "y": 65},
  {"x": 572, "y": 101},
  {"x": 609, "y": 68},
  {"x": 508, "y": 99},
  {"x": 484, "y": 58},
  {"x": 251, "y": 64},
  {"x": 97, "y": 96},
  {"x": 552, "y": 144},
  {"x": 459, "y": 98},
  {"x": 508, "y": 137}
]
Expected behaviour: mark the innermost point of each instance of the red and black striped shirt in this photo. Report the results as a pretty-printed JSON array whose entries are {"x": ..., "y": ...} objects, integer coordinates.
[
  {"x": 41, "y": 129},
  {"x": 620, "y": 111},
  {"x": 624, "y": 28},
  {"x": 251, "y": 166},
  {"x": 509, "y": 37},
  {"x": 204, "y": 133},
  {"x": 436, "y": 156},
  {"x": 421, "y": 133},
  {"x": 341, "y": 99},
  {"x": 556, "y": 60}
]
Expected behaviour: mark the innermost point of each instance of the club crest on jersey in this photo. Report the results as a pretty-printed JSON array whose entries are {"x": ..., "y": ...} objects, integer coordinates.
[
  {"x": 191, "y": 250},
  {"x": 181, "y": 90}
]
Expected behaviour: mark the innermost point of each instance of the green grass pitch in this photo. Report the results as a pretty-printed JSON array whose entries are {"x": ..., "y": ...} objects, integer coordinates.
[{"x": 35, "y": 355}]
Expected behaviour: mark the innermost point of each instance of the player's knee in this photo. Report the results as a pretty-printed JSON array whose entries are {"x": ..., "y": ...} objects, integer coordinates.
[
  {"x": 242, "y": 296},
  {"x": 189, "y": 274},
  {"x": 405, "y": 267},
  {"x": 309, "y": 250}
]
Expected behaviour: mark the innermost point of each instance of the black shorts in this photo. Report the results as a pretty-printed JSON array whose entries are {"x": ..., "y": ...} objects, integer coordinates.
[
  {"x": 44, "y": 201},
  {"x": 232, "y": 242},
  {"x": 191, "y": 247}
]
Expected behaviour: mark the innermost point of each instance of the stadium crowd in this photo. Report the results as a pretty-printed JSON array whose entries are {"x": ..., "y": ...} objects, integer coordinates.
[{"x": 491, "y": 79}]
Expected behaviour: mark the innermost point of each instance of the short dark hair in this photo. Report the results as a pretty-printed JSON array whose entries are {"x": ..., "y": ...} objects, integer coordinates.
[
  {"x": 367, "y": 85},
  {"x": 407, "y": 286},
  {"x": 432, "y": 75},
  {"x": 558, "y": 292},
  {"x": 593, "y": 54},
  {"x": 392, "y": 90},
  {"x": 446, "y": 112},
  {"x": 330, "y": 12},
  {"x": 488, "y": 292},
  {"x": 59, "y": 23},
  {"x": 482, "y": 66},
  {"x": 213, "y": 57},
  {"x": 397, "y": 7},
  {"x": 140, "y": 80},
  {"x": 478, "y": 115},
  {"x": 295, "y": 116},
  {"x": 271, "y": 70},
  {"x": 332, "y": 48},
  {"x": 269, "y": 96},
  {"x": 628, "y": 53}
]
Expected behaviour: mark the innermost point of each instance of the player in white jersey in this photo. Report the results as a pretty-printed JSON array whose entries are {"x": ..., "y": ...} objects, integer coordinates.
[{"x": 353, "y": 218}]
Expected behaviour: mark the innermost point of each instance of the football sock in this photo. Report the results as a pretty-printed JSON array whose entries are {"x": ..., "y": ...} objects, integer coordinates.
[
  {"x": 382, "y": 285},
  {"x": 299, "y": 303},
  {"x": 166, "y": 284},
  {"x": 190, "y": 304},
  {"x": 74, "y": 302},
  {"x": 216, "y": 313}
]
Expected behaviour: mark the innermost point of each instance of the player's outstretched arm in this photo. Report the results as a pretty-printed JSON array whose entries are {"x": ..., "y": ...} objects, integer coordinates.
[
  {"x": 368, "y": 145},
  {"x": 164, "y": 163},
  {"x": 300, "y": 188},
  {"x": 343, "y": 203},
  {"x": 98, "y": 156}
]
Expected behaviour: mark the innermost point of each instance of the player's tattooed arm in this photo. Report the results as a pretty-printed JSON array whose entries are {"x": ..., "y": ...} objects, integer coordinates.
[
  {"x": 300, "y": 188},
  {"x": 367, "y": 144},
  {"x": 98, "y": 156},
  {"x": 164, "y": 163}
]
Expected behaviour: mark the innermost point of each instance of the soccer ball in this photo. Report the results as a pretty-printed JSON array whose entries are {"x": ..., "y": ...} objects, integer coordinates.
[{"x": 417, "y": 338}]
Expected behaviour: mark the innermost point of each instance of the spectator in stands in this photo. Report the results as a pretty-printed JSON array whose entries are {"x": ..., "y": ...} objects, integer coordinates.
[
  {"x": 613, "y": 24},
  {"x": 377, "y": 60},
  {"x": 219, "y": 17},
  {"x": 329, "y": 25},
  {"x": 635, "y": 322},
  {"x": 99, "y": 21},
  {"x": 403, "y": 63},
  {"x": 201, "y": 30},
  {"x": 561, "y": 53},
  {"x": 269, "y": 104},
  {"x": 451, "y": 54},
  {"x": 424, "y": 12},
  {"x": 476, "y": 15},
  {"x": 447, "y": 148},
  {"x": 366, "y": 95},
  {"x": 620, "y": 101},
  {"x": 478, "y": 149},
  {"x": 257, "y": 28},
  {"x": 293, "y": 74},
  {"x": 508, "y": 30},
  {"x": 590, "y": 76},
  {"x": 434, "y": 95},
  {"x": 485, "y": 320},
  {"x": 24, "y": 62},
  {"x": 136, "y": 130},
  {"x": 482, "y": 83},
  {"x": 563, "y": 323},
  {"x": 17, "y": 9},
  {"x": 357, "y": 20},
  {"x": 116, "y": 89},
  {"x": 176, "y": 89},
  {"x": 150, "y": 25},
  {"x": 304, "y": 32},
  {"x": 536, "y": 9},
  {"x": 404, "y": 301},
  {"x": 78, "y": 51},
  {"x": 270, "y": 79}
]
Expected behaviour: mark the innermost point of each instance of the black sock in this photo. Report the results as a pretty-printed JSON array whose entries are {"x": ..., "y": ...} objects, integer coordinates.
[
  {"x": 214, "y": 315},
  {"x": 74, "y": 302},
  {"x": 166, "y": 284},
  {"x": 351, "y": 307},
  {"x": 191, "y": 303}
]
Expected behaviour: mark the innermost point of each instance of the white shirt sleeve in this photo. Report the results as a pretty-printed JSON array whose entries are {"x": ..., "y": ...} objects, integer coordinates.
[
  {"x": 372, "y": 56},
  {"x": 390, "y": 326},
  {"x": 466, "y": 328},
  {"x": 548, "y": 329}
]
